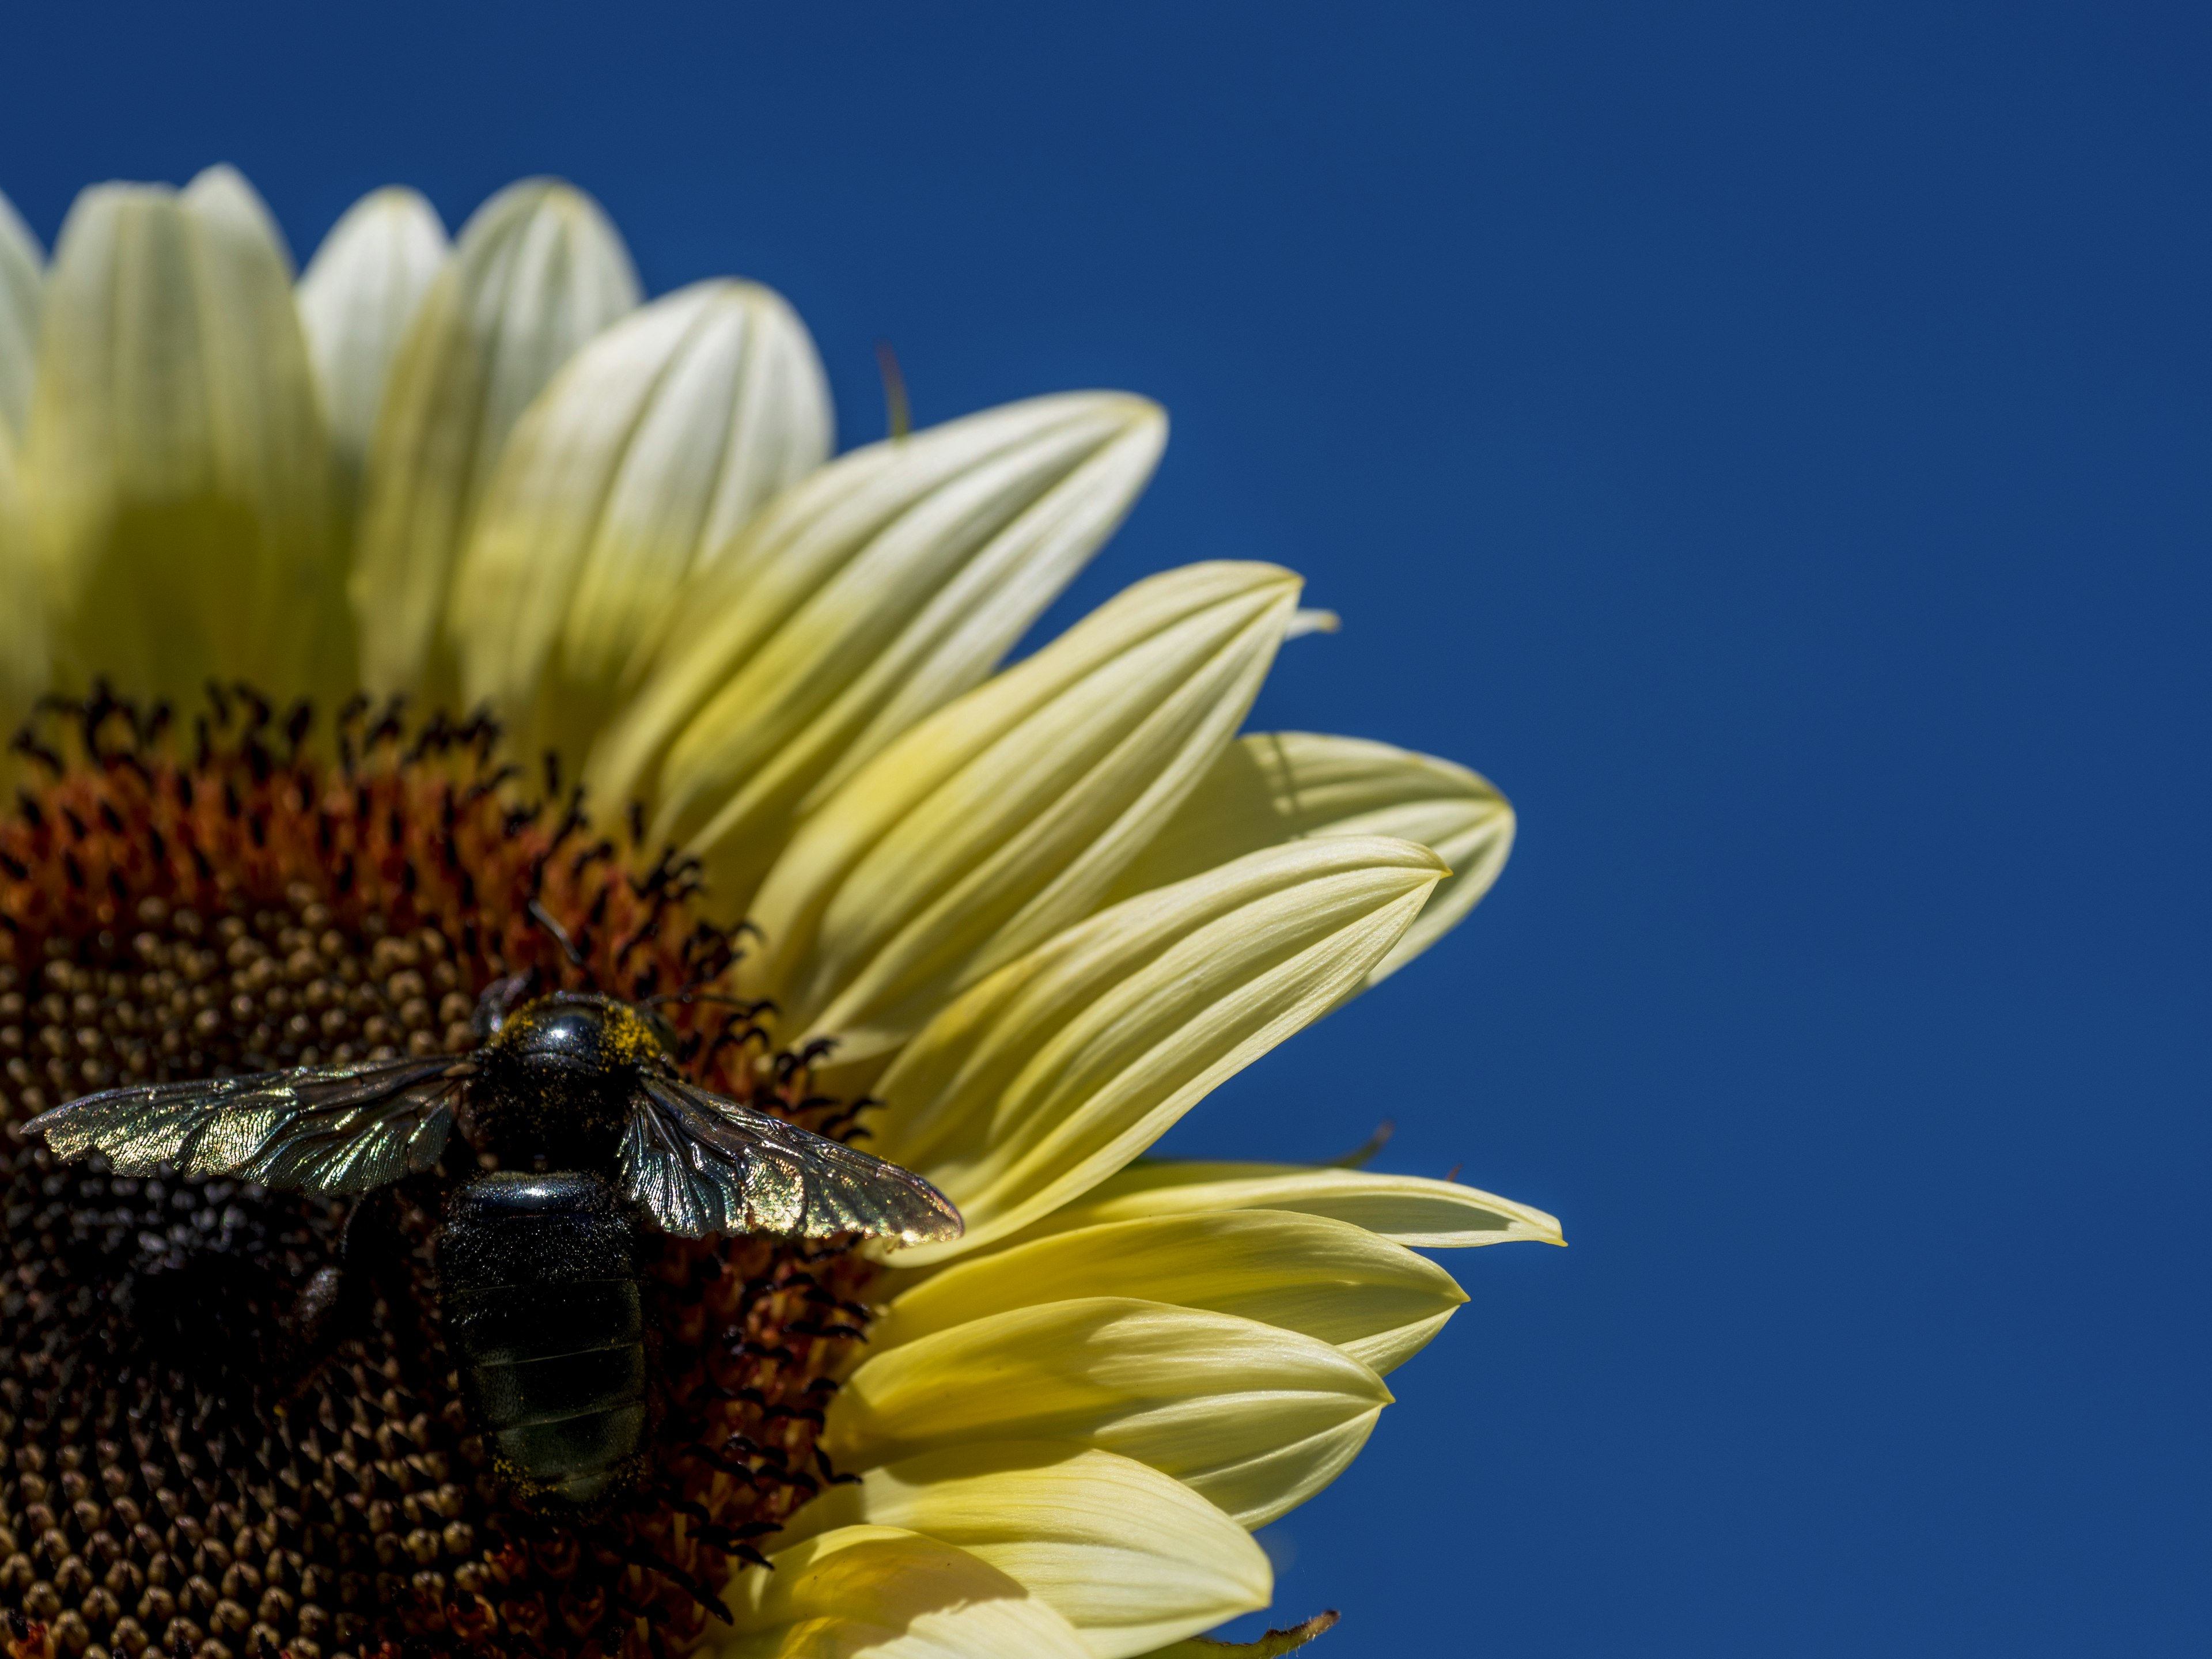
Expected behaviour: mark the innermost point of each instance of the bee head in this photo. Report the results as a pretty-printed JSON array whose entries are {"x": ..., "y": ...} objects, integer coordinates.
[{"x": 559, "y": 1076}]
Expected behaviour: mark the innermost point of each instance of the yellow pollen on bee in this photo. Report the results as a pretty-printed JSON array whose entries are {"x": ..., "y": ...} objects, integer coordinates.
[{"x": 630, "y": 1038}]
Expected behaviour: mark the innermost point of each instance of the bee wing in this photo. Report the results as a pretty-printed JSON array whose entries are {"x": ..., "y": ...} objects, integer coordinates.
[
  {"x": 703, "y": 1164},
  {"x": 321, "y": 1129}
]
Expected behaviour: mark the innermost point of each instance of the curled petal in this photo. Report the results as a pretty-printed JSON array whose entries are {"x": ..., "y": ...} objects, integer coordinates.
[
  {"x": 1127, "y": 1555},
  {"x": 1055, "y": 1072},
  {"x": 868, "y": 1592},
  {"x": 1274, "y": 787},
  {"x": 1376, "y": 1300},
  {"x": 538, "y": 271},
  {"x": 1411, "y": 1209},
  {"x": 1004, "y": 817},
  {"x": 1254, "y": 1418}
]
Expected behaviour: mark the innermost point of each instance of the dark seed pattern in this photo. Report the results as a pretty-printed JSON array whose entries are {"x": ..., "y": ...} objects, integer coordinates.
[{"x": 184, "y": 1467}]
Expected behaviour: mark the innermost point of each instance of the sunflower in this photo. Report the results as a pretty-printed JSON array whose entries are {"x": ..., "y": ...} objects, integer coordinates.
[{"x": 264, "y": 542}]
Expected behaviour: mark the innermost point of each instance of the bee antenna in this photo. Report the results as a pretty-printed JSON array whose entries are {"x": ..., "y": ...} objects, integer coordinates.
[
  {"x": 544, "y": 918},
  {"x": 688, "y": 995}
]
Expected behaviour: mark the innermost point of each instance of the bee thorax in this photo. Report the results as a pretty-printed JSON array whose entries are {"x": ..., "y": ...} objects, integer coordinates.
[{"x": 559, "y": 1080}]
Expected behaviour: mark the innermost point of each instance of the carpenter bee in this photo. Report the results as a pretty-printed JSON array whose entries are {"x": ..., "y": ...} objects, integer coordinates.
[{"x": 538, "y": 1273}]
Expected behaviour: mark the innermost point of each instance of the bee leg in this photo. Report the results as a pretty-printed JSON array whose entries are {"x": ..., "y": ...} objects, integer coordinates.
[
  {"x": 501, "y": 998},
  {"x": 373, "y": 1254},
  {"x": 315, "y": 1316},
  {"x": 307, "y": 1337},
  {"x": 339, "y": 1301}
]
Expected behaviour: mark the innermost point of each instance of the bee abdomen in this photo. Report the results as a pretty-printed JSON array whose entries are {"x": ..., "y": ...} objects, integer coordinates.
[{"x": 539, "y": 1286}]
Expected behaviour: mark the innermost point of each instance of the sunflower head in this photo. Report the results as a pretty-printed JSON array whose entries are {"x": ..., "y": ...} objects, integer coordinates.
[
  {"x": 743, "y": 740},
  {"x": 192, "y": 1465}
]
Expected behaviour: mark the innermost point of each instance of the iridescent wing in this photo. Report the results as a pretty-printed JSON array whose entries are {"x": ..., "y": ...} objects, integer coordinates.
[
  {"x": 702, "y": 1164},
  {"x": 321, "y": 1129}
]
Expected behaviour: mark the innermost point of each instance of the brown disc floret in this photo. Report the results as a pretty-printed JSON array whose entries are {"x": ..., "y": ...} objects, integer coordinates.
[{"x": 189, "y": 1461}]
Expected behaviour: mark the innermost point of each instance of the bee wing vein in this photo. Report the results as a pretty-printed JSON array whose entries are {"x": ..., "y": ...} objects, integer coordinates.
[
  {"x": 324, "y": 1130},
  {"x": 702, "y": 1164}
]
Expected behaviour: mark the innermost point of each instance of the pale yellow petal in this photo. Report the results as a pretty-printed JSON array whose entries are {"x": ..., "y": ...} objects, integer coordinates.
[
  {"x": 22, "y": 606},
  {"x": 1254, "y": 1418},
  {"x": 22, "y": 277},
  {"x": 1376, "y": 1300},
  {"x": 885, "y": 1593},
  {"x": 1004, "y": 816},
  {"x": 1412, "y": 1210},
  {"x": 536, "y": 271},
  {"x": 181, "y": 471},
  {"x": 1273, "y": 1645},
  {"x": 359, "y": 296},
  {"x": 221, "y": 197},
  {"x": 648, "y": 451},
  {"x": 1274, "y": 787},
  {"x": 1058, "y": 1070},
  {"x": 889, "y": 584},
  {"x": 1129, "y": 1557}
]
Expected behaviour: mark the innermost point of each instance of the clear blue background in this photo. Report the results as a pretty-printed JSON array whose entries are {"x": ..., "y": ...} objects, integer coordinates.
[{"x": 1771, "y": 443}]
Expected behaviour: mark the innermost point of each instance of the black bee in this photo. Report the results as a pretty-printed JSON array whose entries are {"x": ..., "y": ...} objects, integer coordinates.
[{"x": 537, "y": 1267}]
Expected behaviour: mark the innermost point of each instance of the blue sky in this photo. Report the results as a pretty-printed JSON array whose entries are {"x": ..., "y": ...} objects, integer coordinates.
[{"x": 1770, "y": 443}]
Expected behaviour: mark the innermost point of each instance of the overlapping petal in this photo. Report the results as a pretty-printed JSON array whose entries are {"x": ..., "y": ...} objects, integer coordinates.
[
  {"x": 22, "y": 279},
  {"x": 1055, "y": 1072},
  {"x": 1006, "y": 816},
  {"x": 635, "y": 467},
  {"x": 1274, "y": 787},
  {"x": 357, "y": 300},
  {"x": 1254, "y": 1418},
  {"x": 536, "y": 271},
  {"x": 1411, "y": 1209},
  {"x": 1376, "y": 1300},
  {"x": 23, "y": 667},
  {"x": 1129, "y": 1557},
  {"x": 1042, "y": 913},
  {"x": 868, "y": 1592},
  {"x": 883, "y": 588},
  {"x": 182, "y": 474}
]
